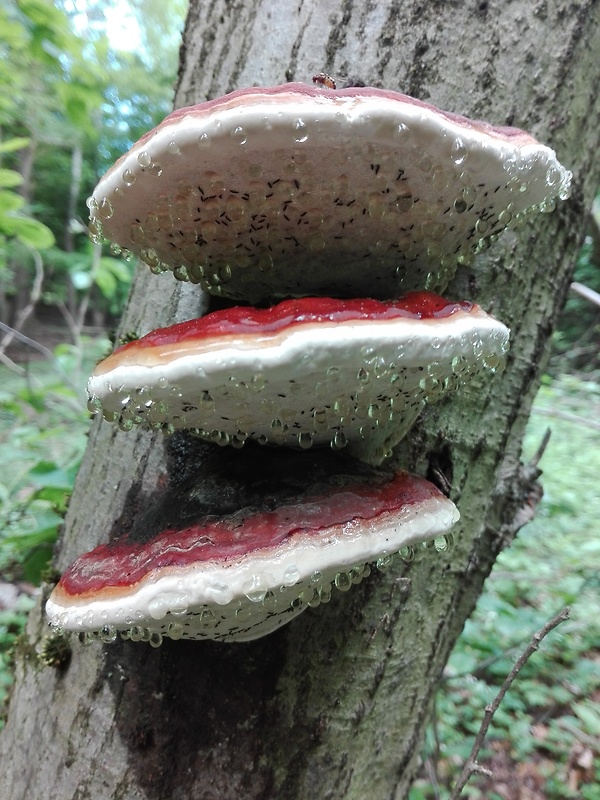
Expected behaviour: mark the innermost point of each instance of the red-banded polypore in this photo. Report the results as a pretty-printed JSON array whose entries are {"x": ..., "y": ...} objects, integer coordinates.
[
  {"x": 296, "y": 190},
  {"x": 189, "y": 572},
  {"x": 306, "y": 371}
]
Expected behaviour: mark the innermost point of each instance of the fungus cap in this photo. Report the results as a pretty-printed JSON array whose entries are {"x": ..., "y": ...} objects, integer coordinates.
[
  {"x": 241, "y": 575},
  {"x": 296, "y": 189},
  {"x": 305, "y": 372}
]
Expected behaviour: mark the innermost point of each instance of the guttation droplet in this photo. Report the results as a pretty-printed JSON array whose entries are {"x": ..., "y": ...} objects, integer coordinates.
[{"x": 300, "y": 134}]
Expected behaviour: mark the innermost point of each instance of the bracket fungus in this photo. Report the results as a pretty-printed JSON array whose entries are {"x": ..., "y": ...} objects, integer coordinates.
[
  {"x": 321, "y": 196},
  {"x": 308, "y": 524},
  {"x": 305, "y": 372},
  {"x": 298, "y": 190}
]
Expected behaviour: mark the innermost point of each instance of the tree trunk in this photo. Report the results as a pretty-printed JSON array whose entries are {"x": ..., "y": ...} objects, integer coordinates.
[{"x": 334, "y": 704}]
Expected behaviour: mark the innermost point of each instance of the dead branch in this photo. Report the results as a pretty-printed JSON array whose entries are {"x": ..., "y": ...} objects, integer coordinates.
[
  {"x": 471, "y": 766},
  {"x": 585, "y": 292},
  {"x": 554, "y": 412},
  {"x": 535, "y": 459},
  {"x": 34, "y": 296},
  {"x": 35, "y": 346}
]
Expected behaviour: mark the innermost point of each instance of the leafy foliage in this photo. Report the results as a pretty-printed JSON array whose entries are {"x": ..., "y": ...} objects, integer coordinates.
[
  {"x": 51, "y": 81},
  {"x": 43, "y": 425},
  {"x": 108, "y": 278},
  {"x": 43, "y": 429},
  {"x": 14, "y": 221},
  {"x": 70, "y": 104}
]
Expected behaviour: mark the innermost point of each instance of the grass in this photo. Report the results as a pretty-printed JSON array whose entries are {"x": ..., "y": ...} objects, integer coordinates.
[{"x": 548, "y": 728}]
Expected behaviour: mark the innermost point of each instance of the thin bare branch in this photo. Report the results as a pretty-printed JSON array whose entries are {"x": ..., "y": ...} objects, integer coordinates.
[
  {"x": 535, "y": 459},
  {"x": 471, "y": 764},
  {"x": 15, "y": 334},
  {"x": 34, "y": 296},
  {"x": 96, "y": 256},
  {"x": 588, "y": 741},
  {"x": 10, "y": 364},
  {"x": 585, "y": 292},
  {"x": 75, "y": 323},
  {"x": 35, "y": 346},
  {"x": 578, "y": 420}
]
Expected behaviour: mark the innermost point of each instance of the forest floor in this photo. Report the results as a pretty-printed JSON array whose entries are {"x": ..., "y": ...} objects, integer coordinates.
[{"x": 544, "y": 742}]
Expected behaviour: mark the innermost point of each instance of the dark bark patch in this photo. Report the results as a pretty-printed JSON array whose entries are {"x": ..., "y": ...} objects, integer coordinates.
[
  {"x": 178, "y": 706},
  {"x": 440, "y": 468}
]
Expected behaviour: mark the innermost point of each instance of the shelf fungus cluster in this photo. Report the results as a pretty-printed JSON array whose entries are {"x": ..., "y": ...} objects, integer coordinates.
[{"x": 343, "y": 214}]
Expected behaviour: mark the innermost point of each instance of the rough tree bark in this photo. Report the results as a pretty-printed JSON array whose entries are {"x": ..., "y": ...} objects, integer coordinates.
[{"x": 333, "y": 705}]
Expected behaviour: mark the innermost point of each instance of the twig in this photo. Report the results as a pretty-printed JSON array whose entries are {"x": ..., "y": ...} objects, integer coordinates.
[
  {"x": 34, "y": 296},
  {"x": 40, "y": 348},
  {"x": 535, "y": 460},
  {"x": 554, "y": 412},
  {"x": 589, "y": 741},
  {"x": 586, "y": 292},
  {"x": 471, "y": 764},
  {"x": 478, "y": 670},
  {"x": 431, "y": 763},
  {"x": 8, "y": 362},
  {"x": 71, "y": 323},
  {"x": 75, "y": 324},
  {"x": 431, "y": 769},
  {"x": 15, "y": 334}
]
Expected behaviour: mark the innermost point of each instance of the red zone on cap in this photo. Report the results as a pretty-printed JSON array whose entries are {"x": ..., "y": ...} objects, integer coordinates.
[
  {"x": 244, "y": 574},
  {"x": 296, "y": 190},
  {"x": 305, "y": 372}
]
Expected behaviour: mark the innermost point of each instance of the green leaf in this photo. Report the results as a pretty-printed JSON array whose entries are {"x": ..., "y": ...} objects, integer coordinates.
[
  {"x": 111, "y": 272},
  {"x": 12, "y": 32},
  {"x": 29, "y": 231},
  {"x": 36, "y": 400},
  {"x": 9, "y": 178},
  {"x": 589, "y": 714},
  {"x": 119, "y": 268},
  {"x": 40, "y": 12},
  {"x": 36, "y": 562},
  {"x": 80, "y": 101},
  {"x": 106, "y": 282},
  {"x": 47, "y": 474},
  {"x": 55, "y": 484},
  {"x": 77, "y": 110},
  {"x": 43, "y": 533},
  {"x": 9, "y": 202},
  {"x": 10, "y": 145}
]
